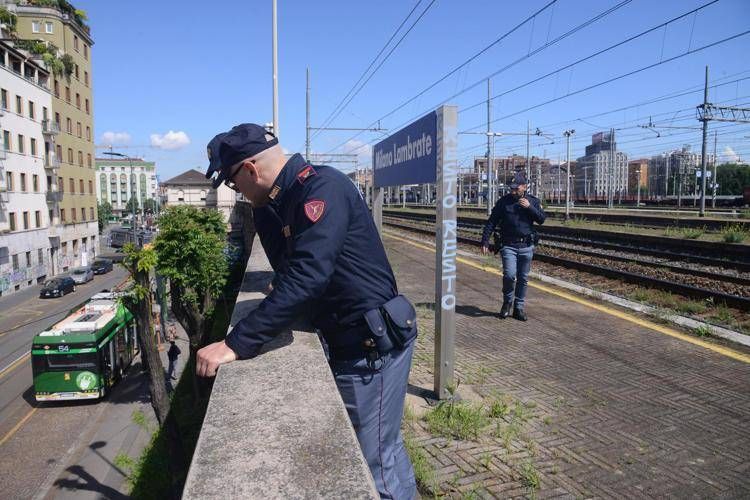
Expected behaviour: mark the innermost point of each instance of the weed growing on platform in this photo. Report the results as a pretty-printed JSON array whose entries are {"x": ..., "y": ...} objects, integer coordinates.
[
  {"x": 703, "y": 331},
  {"x": 424, "y": 472},
  {"x": 723, "y": 314},
  {"x": 459, "y": 420},
  {"x": 693, "y": 233},
  {"x": 139, "y": 419},
  {"x": 734, "y": 233},
  {"x": 126, "y": 464},
  {"x": 485, "y": 459},
  {"x": 529, "y": 477},
  {"x": 691, "y": 307}
]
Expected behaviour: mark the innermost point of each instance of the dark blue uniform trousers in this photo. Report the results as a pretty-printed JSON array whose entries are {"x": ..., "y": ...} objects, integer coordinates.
[{"x": 374, "y": 398}]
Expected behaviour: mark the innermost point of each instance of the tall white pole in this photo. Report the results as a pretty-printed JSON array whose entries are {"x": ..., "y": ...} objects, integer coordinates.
[
  {"x": 567, "y": 134},
  {"x": 275, "y": 76}
]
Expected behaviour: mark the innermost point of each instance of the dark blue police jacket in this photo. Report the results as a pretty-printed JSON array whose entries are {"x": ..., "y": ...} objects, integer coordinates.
[
  {"x": 336, "y": 265},
  {"x": 515, "y": 221}
]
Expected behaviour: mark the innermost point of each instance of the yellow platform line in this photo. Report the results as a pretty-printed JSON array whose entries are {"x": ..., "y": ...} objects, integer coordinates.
[
  {"x": 725, "y": 351},
  {"x": 16, "y": 427}
]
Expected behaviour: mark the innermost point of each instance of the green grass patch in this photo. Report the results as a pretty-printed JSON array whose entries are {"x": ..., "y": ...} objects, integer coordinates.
[
  {"x": 458, "y": 420},
  {"x": 691, "y": 307},
  {"x": 723, "y": 314},
  {"x": 703, "y": 331},
  {"x": 529, "y": 476},
  {"x": 424, "y": 472},
  {"x": 734, "y": 233}
]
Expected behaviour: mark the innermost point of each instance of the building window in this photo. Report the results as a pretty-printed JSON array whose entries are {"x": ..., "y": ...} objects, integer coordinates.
[
  {"x": 48, "y": 27},
  {"x": 86, "y": 78},
  {"x": 23, "y": 182},
  {"x": 32, "y": 144},
  {"x": 70, "y": 156},
  {"x": 31, "y": 110},
  {"x": 80, "y": 158},
  {"x": 20, "y": 143},
  {"x": 38, "y": 218},
  {"x": 91, "y": 212},
  {"x": 57, "y": 90},
  {"x": 91, "y": 187},
  {"x": 51, "y": 216},
  {"x": 77, "y": 74},
  {"x": 69, "y": 125},
  {"x": 62, "y": 217},
  {"x": 88, "y": 108},
  {"x": 57, "y": 120},
  {"x": 73, "y": 218},
  {"x": 45, "y": 113},
  {"x": 88, "y": 134},
  {"x": 28, "y": 259},
  {"x": 4, "y": 98},
  {"x": 12, "y": 221},
  {"x": 58, "y": 150},
  {"x": 78, "y": 129},
  {"x": 72, "y": 183},
  {"x": 80, "y": 185},
  {"x": 78, "y": 100},
  {"x": 36, "y": 26},
  {"x": 83, "y": 213},
  {"x": 88, "y": 160},
  {"x": 26, "y": 220},
  {"x": 19, "y": 105},
  {"x": 35, "y": 183},
  {"x": 75, "y": 42},
  {"x": 85, "y": 51},
  {"x": 61, "y": 184},
  {"x": 9, "y": 181},
  {"x": 15, "y": 262},
  {"x": 40, "y": 256},
  {"x": 67, "y": 94},
  {"x": 6, "y": 140}
]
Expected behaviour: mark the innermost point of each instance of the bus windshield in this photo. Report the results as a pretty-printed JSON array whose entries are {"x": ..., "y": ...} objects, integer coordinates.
[{"x": 71, "y": 362}]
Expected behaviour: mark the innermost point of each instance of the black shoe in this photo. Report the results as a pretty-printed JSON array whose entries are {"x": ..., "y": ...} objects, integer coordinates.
[
  {"x": 519, "y": 314},
  {"x": 505, "y": 310}
]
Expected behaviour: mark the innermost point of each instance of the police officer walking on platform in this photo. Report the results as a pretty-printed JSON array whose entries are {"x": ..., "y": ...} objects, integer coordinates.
[
  {"x": 335, "y": 265},
  {"x": 515, "y": 214}
]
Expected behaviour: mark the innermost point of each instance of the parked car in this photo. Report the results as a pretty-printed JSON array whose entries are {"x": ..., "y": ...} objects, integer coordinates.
[
  {"x": 57, "y": 287},
  {"x": 82, "y": 274},
  {"x": 101, "y": 266}
]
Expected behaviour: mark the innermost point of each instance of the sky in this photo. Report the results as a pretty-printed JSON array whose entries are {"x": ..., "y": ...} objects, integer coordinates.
[{"x": 170, "y": 75}]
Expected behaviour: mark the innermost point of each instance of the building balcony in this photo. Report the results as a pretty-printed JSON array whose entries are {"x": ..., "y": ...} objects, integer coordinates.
[
  {"x": 50, "y": 127},
  {"x": 51, "y": 162},
  {"x": 54, "y": 197}
]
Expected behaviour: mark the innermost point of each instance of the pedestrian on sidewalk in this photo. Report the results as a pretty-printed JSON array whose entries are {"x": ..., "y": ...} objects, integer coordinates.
[
  {"x": 334, "y": 265},
  {"x": 514, "y": 214},
  {"x": 172, "y": 354}
]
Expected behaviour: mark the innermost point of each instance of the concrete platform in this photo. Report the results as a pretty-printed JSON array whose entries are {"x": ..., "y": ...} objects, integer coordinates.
[{"x": 604, "y": 404}]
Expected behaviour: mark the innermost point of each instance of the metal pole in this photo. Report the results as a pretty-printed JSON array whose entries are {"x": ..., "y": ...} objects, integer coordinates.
[
  {"x": 702, "y": 212},
  {"x": 713, "y": 181},
  {"x": 489, "y": 138},
  {"x": 610, "y": 170},
  {"x": 275, "y": 76},
  {"x": 132, "y": 192},
  {"x": 638, "y": 188},
  {"x": 491, "y": 204},
  {"x": 568, "y": 133},
  {"x": 528, "y": 149},
  {"x": 307, "y": 115}
]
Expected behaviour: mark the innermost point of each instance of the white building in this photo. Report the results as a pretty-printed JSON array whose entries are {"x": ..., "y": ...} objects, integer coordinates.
[
  {"x": 29, "y": 223},
  {"x": 192, "y": 188},
  {"x": 117, "y": 180},
  {"x": 595, "y": 172}
]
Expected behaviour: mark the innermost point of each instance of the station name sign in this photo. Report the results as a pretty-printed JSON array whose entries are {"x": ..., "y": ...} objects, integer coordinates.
[{"x": 408, "y": 156}]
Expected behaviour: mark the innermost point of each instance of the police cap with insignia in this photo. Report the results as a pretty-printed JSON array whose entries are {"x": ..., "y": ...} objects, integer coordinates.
[
  {"x": 227, "y": 149},
  {"x": 518, "y": 179}
]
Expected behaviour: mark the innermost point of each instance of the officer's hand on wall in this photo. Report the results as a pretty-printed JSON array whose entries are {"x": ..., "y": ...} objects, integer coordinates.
[
  {"x": 210, "y": 357},
  {"x": 524, "y": 202},
  {"x": 485, "y": 249}
]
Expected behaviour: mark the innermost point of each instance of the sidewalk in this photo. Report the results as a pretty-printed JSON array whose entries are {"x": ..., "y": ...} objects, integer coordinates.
[
  {"x": 586, "y": 403},
  {"x": 124, "y": 427}
]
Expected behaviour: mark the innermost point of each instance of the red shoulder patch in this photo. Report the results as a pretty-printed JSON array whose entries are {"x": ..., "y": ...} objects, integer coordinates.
[
  {"x": 306, "y": 172},
  {"x": 314, "y": 209}
]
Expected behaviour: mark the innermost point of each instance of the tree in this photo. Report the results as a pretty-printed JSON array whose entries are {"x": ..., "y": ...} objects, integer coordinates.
[
  {"x": 140, "y": 263},
  {"x": 104, "y": 211},
  {"x": 129, "y": 206},
  {"x": 150, "y": 205},
  {"x": 732, "y": 178},
  {"x": 190, "y": 250}
]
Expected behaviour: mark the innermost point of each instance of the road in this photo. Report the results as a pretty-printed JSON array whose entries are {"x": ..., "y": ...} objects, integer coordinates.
[{"x": 37, "y": 437}]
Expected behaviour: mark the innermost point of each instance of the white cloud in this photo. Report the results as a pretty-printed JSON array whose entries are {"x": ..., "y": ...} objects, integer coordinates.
[
  {"x": 359, "y": 148},
  {"x": 170, "y": 141},
  {"x": 115, "y": 138},
  {"x": 730, "y": 156}
]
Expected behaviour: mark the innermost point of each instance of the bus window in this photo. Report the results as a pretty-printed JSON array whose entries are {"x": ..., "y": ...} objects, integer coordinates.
[{"x": 71, "y": 362}]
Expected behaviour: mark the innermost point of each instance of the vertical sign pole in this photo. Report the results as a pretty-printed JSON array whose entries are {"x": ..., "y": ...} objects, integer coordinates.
[
  {"x": 377, "y": 209},
  {"x": 446, "y": 247}
]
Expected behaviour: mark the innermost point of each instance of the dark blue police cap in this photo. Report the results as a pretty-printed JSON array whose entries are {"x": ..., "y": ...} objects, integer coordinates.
[
  {"x": 229, "y": 148},
  {"x": 518, "y": 179}
]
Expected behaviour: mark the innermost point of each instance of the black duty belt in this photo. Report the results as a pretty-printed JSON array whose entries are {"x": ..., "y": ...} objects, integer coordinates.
[{"x": 515, "y": 241}]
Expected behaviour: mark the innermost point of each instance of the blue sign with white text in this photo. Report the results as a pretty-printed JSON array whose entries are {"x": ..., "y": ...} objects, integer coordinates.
[{"x": 409, "y": 156}]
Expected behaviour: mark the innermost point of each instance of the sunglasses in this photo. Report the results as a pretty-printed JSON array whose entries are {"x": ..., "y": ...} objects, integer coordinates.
[{"x": 229, "y": 182}]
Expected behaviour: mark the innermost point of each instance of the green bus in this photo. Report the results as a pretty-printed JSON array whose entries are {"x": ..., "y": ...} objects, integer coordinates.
[{"x": 85, "y": 354}]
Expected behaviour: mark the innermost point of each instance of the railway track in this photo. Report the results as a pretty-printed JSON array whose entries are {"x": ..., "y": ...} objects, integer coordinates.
[{"x": 697, "y": 284}]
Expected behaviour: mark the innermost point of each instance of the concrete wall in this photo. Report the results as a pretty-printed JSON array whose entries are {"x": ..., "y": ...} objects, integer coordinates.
[{"x": 276, "y": 426}]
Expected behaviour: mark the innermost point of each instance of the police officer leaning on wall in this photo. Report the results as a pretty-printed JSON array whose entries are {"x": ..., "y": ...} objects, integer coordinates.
[
  {"x": 335, "y": 265},
  {"x": 515, "y": 214}
]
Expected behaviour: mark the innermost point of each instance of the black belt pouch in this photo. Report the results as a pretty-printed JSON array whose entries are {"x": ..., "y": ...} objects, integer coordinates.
[{"x": 394, "y": 324}]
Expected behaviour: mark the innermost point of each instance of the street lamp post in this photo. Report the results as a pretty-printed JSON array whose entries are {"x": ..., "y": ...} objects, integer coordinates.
[
  {"x": 638, "y": 187},
  {"x": 567, "y": 135},
  {"x": 132, "y": 189}
]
